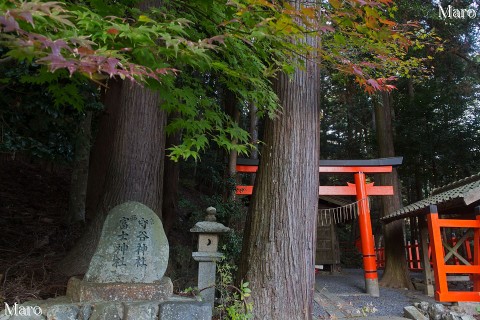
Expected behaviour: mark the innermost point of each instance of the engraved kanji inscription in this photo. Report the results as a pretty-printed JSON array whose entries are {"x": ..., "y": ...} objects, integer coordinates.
[
  {"x": 141, "y": 248},
  {"x": 121, "y": 248},
  {"x": 124, "y": 223},
  {"x": 140, "y": 262},
  {"x": 118, "y": 261},
  {"x": 123, "y": 236},
  {"x": 142, "y": 235}
]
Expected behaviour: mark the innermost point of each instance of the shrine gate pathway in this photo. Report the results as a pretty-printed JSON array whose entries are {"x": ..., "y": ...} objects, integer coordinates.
[{"x": 342, "y": 295}]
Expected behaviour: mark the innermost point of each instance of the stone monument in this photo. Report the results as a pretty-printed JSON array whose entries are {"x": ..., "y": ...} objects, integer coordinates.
[
  {"x": 130, "y": 260},
  {"x": 125, "y": 279}
]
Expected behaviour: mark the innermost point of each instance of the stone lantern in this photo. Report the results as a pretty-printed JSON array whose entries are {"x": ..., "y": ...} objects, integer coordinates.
[{"x": 207, "y": 254}]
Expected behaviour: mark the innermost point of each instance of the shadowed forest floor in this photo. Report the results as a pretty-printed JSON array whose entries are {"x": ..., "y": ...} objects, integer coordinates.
[
  {"x": 33, "y": 201},
  {"x": 33, "y": 238}
]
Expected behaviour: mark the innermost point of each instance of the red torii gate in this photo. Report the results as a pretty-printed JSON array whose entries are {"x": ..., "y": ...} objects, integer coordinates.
[{"x": 361, "y": 189}]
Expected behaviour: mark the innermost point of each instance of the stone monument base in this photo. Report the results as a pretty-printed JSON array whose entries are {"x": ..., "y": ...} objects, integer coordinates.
[
  {"x": 81, "y": 291},
  {"x": 173, "y": 308}
]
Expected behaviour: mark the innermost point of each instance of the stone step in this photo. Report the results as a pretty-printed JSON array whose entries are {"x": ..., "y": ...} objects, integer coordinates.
[{"x": 336, "y": 307}]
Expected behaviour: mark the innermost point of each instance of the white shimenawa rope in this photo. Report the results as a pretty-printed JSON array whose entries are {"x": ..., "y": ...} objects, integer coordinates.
[{"x": 341, "y": 214}]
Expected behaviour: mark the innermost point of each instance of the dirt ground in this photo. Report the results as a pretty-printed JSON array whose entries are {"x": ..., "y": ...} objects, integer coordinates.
[{"x": 33, "y": 201}]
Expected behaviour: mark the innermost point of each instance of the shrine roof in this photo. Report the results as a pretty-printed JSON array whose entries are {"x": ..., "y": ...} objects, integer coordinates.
[
  {"x": 393, "y": 161},
  {"x": 335, "y": 200},
  {"x": 457, "y": 197}
]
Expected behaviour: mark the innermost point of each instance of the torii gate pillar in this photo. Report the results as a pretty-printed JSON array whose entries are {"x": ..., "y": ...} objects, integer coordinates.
[{"x": 366, "y": 234}]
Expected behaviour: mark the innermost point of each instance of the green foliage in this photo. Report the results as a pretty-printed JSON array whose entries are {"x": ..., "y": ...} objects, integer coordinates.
[
  {"x": 209, "y": 176},
  {"x": 441, "y": 109},
  {"x": 40, "y": 110},
  {"x": 72, "y": 37},
  {"x": 233, "y": 301},
  {"x": 216, "y": 46},
  {"x": 436, "y": 113}
]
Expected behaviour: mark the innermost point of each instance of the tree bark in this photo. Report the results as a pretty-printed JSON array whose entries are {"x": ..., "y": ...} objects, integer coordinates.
[
  {"x": 100, "y": 155},
  {"x": 170, "y": 182},
  {"x": 135, "y": 149},
  {"x": 396, "y": 273},
  {"x": 79, "y": 180},
  {"x": 279, "y": 241},
  {"x": 253, "y": 136}
]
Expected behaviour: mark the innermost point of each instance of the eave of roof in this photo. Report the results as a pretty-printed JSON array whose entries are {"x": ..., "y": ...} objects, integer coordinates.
[{"x": 464, "y": 193}]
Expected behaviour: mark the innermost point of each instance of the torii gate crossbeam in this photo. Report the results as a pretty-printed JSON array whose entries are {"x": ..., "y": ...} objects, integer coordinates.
[{"x": 362, "y": 191}]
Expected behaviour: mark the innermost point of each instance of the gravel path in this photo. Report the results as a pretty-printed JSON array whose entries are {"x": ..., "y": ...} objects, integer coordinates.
[{"x": 349, "y": 286}]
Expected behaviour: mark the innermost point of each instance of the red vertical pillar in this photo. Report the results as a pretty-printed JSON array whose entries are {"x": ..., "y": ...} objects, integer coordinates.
[
  {"x": 368, "y": 246},
  {"x": 441, "y": 286},
  {"x": 476, "y": 253}
]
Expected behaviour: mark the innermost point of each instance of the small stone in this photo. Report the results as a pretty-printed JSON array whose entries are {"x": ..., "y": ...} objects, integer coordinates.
[
  {"x": 73, "y": 288},
  {"x": 423, "y": 305},
  {"x": 436, "y": 310},
  {"x": 451, "y": 316},
  {"x": 84, "y": 312},
  {"x": 185, "y": 310},
  {"x": 411, "y": 312},
  {"x": 107, "y": 311},
  {"x": 211, "y": 212},
  {"x": 63, "y": 312},
  {"x": 472, "y": 308},
  {"x": 140, "y": 310}
]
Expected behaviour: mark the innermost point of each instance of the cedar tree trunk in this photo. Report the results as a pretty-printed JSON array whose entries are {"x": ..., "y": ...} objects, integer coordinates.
[
  {"x": 279, "y": 241},
  {"x": 78, "y": 184},
  {"x": 132, "y": 144},
  {"x": 396, "y": 273},
  {"x": 253, "y": 136}
]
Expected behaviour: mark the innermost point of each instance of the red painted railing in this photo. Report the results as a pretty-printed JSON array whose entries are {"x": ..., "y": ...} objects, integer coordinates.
[
  {"x": 443, "y": 268},
  {"x": 414, "y": 261}
]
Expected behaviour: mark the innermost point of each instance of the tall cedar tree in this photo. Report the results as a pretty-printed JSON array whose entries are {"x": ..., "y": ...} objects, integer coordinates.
[
  {"x": 396, "y": 273},
  {"x": 126, "y": 162},
  {"x": 279, "y": 242}
]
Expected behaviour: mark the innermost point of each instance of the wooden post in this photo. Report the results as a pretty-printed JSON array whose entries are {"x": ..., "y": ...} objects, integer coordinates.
[
  {"x": 410, "y": 255},
  {"x": 476, "y": 253},
  {"x": 437, "y": 254},
  {"x": 427, "y": 269},
  {"x": 366, "y": 234}
]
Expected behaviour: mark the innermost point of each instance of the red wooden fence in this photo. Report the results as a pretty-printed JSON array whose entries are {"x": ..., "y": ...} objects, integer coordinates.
[{"x": 412, "y": 252}]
